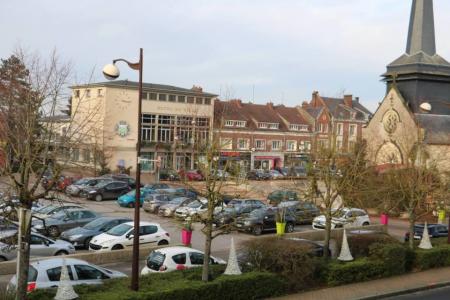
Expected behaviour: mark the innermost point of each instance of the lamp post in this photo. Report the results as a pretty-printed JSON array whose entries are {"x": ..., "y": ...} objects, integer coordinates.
[{"x": 111, "y": 72}]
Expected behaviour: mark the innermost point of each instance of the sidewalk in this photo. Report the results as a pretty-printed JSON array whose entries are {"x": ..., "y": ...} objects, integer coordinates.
[{"x": 378, "y": 289}]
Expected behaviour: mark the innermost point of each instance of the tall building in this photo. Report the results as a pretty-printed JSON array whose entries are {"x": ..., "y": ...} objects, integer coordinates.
[
  {"x": 174, "y": 120},
  {"x": 416, "y": 109}
]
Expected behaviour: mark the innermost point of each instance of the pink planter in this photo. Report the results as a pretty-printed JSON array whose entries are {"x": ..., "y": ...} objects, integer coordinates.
[
  {"x": 384, "y": 219},
  {"x": 186, "y": 237}
]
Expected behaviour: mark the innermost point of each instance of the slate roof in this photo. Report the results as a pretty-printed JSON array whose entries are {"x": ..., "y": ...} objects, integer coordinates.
[
  {"x": 339, "y": 110},
  {"x": 146, "y": 86},
  {"x": 437, "y": 128},
  {"x": 291, "y": 115}
]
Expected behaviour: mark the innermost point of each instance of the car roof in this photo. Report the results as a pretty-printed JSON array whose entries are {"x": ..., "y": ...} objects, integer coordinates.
[
  {"x": 141, "y": 223},
  {"x": 176, "y": 249},
  {"x": 52, "y": 262}
]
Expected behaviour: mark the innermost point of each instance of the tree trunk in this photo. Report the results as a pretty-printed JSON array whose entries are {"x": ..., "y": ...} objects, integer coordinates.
[
  {"x": 327, "y": 232},
  {"x": 23, "y": 256},
  {"x": 412, "y": 221},
  {"x": 208, "y": 242}
]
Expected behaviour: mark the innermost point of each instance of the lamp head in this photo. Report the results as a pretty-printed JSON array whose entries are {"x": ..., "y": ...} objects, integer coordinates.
[
  {"x": 111, "y": 72},
  {"x": 425, "y": 106}
]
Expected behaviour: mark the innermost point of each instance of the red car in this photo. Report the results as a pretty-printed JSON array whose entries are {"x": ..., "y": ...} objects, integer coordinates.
[{"x": 192, "y": 175}]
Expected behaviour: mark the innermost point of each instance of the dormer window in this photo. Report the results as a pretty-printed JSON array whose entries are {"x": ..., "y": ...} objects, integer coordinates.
[
  {"x": 264, "y": 125},
  {"x": 297, "y": 127},
  {"x": 233, "y": 123}
]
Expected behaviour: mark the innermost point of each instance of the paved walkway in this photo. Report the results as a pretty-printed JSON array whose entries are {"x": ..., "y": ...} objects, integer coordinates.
[{"x": 378, "y": 289}]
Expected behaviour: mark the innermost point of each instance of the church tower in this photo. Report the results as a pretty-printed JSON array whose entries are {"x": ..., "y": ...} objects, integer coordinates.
[{"x": 421, "y": 75}]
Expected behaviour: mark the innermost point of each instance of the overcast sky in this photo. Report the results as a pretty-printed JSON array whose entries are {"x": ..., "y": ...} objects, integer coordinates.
[{"x": 280, "y": 49}]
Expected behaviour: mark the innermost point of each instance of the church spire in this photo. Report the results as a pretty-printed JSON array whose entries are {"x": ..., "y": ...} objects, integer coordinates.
[{"x": 421, "y": 36}]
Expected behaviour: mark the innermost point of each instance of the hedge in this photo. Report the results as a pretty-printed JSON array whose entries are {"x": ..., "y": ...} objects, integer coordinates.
[
  {"x": 437, "y": 257},
  {"x": 363, "y": 269},
  {"x": 186, "y": 285},
  {"x": 397, "y": 258}
]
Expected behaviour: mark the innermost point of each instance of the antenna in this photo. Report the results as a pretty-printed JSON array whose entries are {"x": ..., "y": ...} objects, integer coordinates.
[{"x": 253, "y": 94}]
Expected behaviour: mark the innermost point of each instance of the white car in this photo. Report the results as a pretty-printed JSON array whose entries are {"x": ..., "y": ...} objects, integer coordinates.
[
  {"x": 121, "y": 236},
  {"x": 194, "y": 208},
  {"x": 46, "y": 273},
  {"x": 175, "y": 258},
  {"x": 345, "y": 217}
]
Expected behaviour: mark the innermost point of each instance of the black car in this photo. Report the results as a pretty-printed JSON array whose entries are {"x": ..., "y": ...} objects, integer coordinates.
[
  {"x": 169, "y": 174},
  {"x": 124, "y": 178},
  {"x": 303, "y": 212},
  {"x": 107, "y": 190},
  {"x": 315, "y": 249},
  {"x": 282, "y": 195},
  {"x": 258, "y": 175},
  {"x": 434, "y": 231},
  {"x": 235, "y": 208},
  {"x": 263, "y": 219},
  {"x": 81, "y": 236}
]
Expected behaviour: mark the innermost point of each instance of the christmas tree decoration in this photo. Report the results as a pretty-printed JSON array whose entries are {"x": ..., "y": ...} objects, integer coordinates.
[
  {"x": 65, "y": 290},
  {"x": 345, "y": 254},
  {"x": 425, "y": 242},
  {"x": 233, "y": 265}
]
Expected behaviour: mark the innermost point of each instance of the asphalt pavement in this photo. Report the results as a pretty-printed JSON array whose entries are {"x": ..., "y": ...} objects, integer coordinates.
[{"x": 433, "y": 294}]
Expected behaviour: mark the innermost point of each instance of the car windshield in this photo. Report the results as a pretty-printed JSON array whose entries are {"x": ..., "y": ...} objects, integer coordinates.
[
  {"x": 46, "y": 209},
  {"x": 194, "y": 204},
  {"x": 340, "y": 214},
  {"x": 234, "y": 203},
  {"x": 119, "y": 229},
  {"x": 96, "y": 224},
  {"x": 82, "y": 181},
  {"x": 257, "y": 213},
  {"x": 177, "y": 201},
  {"x": 102, "y": 183},
  {"x": 155, "y": 260}
]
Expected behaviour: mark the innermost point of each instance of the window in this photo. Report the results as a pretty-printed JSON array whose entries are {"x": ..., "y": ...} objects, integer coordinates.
[
  {"x": 185, "y": 135},
  {"x": 150, "y": 229},
  {"x": 181, "y": 99},
  {"x": 86, "y": 155},
  {"x": 273, "y": 125},
  {"x": 207, "y": 101},
  {"x": 86, "y": 272},
  {"x": 88, "y": 93},
  {"x": 291, "y": 145},
  {"x": 164, "y": 134},
  {"x": 75, "y": 154},
  {"x": 179, "y": 259},
  {"x": 147, "y": 166},
  {"x": 77, "y": 93},
  {"x": 202, "y": 122},
  {"x": 55, "y": 273},
  {"x": 229, "y": 123},
  {"x": 199, "y": 100},
  {"x": 37, "y": 240},
  {"x": 323, "y": 144},
  {"x": 152, "y": 96},
  {"x": 190, "y": 99},
  {"x": 196, "y": 258},
  {"x": 352, "y": 130},
  {"x": 264, "y": 125},
  {"x": 148, "y": 133},
  {"x": 226, "y": 143},
  {"x": 146, "y": 118},
  {"x": 167, "y": 120},
  {"x": 243, "y": 144},
  {"x": 296, "y": 127},
  {"x": 340, "y": 129},
  {"x": 144, "y": 96},
  {"x": 172, "y": 98},
  {"x": 162, "y": 97},
  {"x": 100, "y": 93},
  {"x": 323, "y": 127},
  {"x": 276, "y": 145},
  {"x": 260, "y": 144},
  {"x": 307, "y": 146}
]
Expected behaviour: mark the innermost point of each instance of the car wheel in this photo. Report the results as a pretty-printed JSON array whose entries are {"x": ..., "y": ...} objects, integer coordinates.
[
  {"x": 2, "y": 259},
  {"x": 117, "y": 247},
  {"x": 366, "y": 224},
  {"x": 163, "y": 242},
  {"x": 257, "y": 230},
  {"x": 131, "y": 204},
  {"x": 98, "y": 198},
  {"x": 87, "y": 242},
  {"x": 289, "y": 227},
  {"x": 62, "y": 252},
  {"x": 53, "y": 231}
]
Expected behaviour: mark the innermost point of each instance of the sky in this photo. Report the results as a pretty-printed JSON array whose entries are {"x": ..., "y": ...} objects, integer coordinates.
[{"x": 255, "y": 50}]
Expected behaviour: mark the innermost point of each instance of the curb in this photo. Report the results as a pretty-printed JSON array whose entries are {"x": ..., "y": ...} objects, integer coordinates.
[{"x": 431, "y": 286}]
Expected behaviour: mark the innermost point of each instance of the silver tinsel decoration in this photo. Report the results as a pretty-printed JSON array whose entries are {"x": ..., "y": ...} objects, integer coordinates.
[
  {"x": 425, "y": 242},
  {"x": 65, "y": 290},
  {"x": 345, "y": 254},
  {"x": 233, "y": 265}
]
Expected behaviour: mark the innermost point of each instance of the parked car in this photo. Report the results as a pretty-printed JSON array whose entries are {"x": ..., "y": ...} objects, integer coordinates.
[
  {"x": 60, "y": 185},
  {"x": 47, "y": 272},
  {"x": 107, "y": 190},
  {"x": 77, "y": 187},
  {"x": 121, "y": 236},
  {"x": 124, "y": 178},
  {"x": 315, "y": 248},
  {"x": 168, "y": 210},
  {"x": 434, "y": 231},
  {"x": 263, "y": 219},
  {"x": 282, "y": 195},
  {"x": 303, "y": 212},
  {"x": 235, "y": 208},
  {"x": 348, "y": 217},
  {"x": 53, "y": 209},
  {"x": 192, "y": 209},
  {"x": 169, "y": 174},
  {"x": 220, "y": 174},
  {"x": 153, "y": 201},
  {"x": 190, "y": 193},
  {"x": 275, "y": 175},
  {"x": 6, "y": 224},
  {"x": 129, "y": 199},
  {"x": 81, "y": 236},
  {"x": 175, "y": 258},
  {"x": 39, "y": 246},
  {"x": 257, "y": 175},
  {"x": 294, "y": 172},
  {"x": 55, "y": 224},
  {"x": 192, "y": 175}
]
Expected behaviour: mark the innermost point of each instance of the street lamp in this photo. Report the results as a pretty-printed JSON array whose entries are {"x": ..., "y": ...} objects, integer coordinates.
[{"x": 111, "y": 72}]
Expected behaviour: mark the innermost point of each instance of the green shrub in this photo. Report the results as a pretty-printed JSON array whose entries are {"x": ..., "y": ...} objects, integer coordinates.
[
  {"x": 288, "y": 258},
  {"x": 394, "y": 257},
  {"x": 437, "y": 257},
  {"x": 360, "y": 243},
  {"x": 363, "y": 269}
]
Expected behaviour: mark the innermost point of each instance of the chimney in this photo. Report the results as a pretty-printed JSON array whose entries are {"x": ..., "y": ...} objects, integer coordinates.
[
  {"x": 270, "y": 105},
  {"x": 348, "y": 100},
  {"x": 305, "y": 104},
  {"x": 315, "y": 101},
  {"x": 197, "y": 89},
  {"x": 357, "y": 99}
]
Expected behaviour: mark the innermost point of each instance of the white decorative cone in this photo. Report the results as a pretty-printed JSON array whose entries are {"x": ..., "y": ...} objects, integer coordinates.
[
  {"x": 65, "y": 290},
  {"x": 425, "y": 242},
  {"x": 233, "y": 265},
  {"x": 345, "y": 254}
]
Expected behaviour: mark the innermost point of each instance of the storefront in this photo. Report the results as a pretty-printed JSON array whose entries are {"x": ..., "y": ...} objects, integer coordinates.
[
  {"x": 296, "y": 160},
  {"x": 267, "y": 161},
  {"x": 239, "y": 161}
]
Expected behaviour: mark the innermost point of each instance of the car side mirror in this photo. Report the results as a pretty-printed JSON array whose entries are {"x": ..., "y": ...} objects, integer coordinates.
[
  {"x": 46, "y": 243},
  {"x": 130, "y": 236}
]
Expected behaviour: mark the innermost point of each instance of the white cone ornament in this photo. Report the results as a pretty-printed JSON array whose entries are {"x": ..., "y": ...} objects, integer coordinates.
[
  {"x": 345, "y": 254},
  {"x": 233, "y": 265},
  {"x": 425, "y": 242},
  {"x": 65, "y": 290}
]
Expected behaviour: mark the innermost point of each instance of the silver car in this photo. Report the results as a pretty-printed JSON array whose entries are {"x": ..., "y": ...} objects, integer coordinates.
[
  {"x": 78, "y": 186},
  {"x": 46, "y": 273},
  {"x": 169, "y": 209},
  {"x": 39, "y": 246},
  {"x": 152, "y": 202}
]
